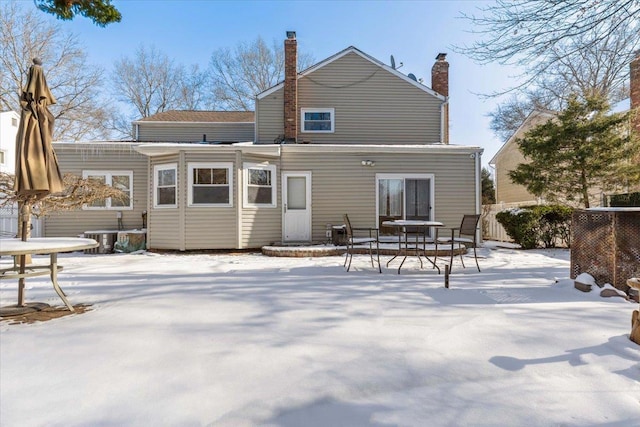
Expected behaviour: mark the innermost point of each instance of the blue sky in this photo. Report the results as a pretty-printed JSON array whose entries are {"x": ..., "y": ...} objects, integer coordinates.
[{"x": 414, "y": 32}]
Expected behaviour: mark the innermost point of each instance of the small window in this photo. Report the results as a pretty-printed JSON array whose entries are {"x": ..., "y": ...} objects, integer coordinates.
[
  {"x": 165, "y": 194},
  {"x": 14, "y": 122},
  {"x": 122, "y": 180},
  {"x": 316, "y": 120},
  {"x": 210, "y": 184},
  {"x": 259, "y": 185},
  {"x": 3, "y": 158}
]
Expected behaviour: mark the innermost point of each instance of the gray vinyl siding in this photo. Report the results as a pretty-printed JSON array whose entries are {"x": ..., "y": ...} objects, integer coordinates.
[
  {"x": 164, "y": 229},
  {"x": 372, "y": 106},
  {"x": 193, "y": 227},
  {"x": 340, "y": 184},
  {"x": 270, "y": 117},
  {"x": 210, "y": 227},
  {"x": 263, "y": 225},
  {"x": 78, "y": 157},
  {"x": 193, "y": 132}
]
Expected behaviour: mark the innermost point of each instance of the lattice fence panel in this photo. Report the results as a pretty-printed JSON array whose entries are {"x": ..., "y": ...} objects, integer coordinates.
[{"x": 606, "y": 244}]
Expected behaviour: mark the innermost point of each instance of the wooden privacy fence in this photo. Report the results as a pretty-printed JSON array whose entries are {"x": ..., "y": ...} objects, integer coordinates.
[{"x": 491, "y": 228}]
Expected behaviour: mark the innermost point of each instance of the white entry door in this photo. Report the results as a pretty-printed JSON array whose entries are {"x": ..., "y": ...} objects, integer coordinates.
[{"x": 296, "y": 196}]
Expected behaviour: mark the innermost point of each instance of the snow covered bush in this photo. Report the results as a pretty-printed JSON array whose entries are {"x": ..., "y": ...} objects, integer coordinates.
[{"x": 538, "y": 226}]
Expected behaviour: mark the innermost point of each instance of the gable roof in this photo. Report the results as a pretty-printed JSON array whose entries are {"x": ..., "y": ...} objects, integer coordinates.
[
  {"x": 352, "y": 49},
  {"x": 192, "y": 116},
  {"x": 532, "y": 116}
]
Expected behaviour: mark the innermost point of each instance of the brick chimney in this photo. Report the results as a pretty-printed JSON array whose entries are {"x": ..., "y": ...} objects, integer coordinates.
[
  {"x": 290, "y": 88},
  {"x": 440, "y": 83},
  {"x": 634, "y": 86}
]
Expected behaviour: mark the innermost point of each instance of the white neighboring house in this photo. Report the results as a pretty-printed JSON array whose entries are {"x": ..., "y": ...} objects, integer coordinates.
[{"x": 9, "y": 121}]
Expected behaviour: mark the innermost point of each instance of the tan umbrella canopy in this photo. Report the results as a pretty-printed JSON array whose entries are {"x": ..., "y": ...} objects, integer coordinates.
[{"x": 37, "y": 170}]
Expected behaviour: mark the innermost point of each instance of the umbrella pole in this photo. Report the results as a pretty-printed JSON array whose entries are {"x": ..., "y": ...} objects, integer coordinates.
[{"x": 25, "y": 213}]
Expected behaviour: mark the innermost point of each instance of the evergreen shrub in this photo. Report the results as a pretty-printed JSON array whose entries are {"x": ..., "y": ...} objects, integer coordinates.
[{"x": 538, "y": 226}]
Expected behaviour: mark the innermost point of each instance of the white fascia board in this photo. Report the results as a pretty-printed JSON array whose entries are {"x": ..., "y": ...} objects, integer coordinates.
[
  {"x": 352, "y": 49},
  {"x": 173, "y": 123},
  {"x": 163, "y": 149}
]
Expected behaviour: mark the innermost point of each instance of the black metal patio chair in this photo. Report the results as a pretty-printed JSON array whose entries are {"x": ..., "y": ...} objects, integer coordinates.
[
  {"x": 466, "y": 235},
  {"x": 359, "y": 236}
]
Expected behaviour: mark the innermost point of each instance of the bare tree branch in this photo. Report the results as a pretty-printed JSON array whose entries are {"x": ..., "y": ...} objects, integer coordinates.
[
  {"x": 77, "y": 193},
  {"x": 25, "y": 35},
  {"x": 238, "y": 75}
]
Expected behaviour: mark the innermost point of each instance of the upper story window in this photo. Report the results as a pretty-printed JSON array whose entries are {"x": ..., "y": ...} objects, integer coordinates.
[
  {"x": 14, "y": 122},
  {"x": 122, "y": 180},
  {"x": 210, "y": 184},
  {"x": 165, "y": 185},
  {"x": 318, "y": 120},
  {"x": 259, "y": 185}
]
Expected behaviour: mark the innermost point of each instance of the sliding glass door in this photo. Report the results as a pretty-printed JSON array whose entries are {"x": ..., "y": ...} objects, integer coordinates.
[{"x": 403, "y": 197}]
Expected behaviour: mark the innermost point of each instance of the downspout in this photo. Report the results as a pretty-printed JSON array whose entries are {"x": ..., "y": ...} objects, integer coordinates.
[
  {"x": 443, "y": 121},
  {"x": 182, "y": 201},
  {"x": 239, "y": 198},
  {"x": 150, "y": 178},
  {"x": 478, "y": 158}
]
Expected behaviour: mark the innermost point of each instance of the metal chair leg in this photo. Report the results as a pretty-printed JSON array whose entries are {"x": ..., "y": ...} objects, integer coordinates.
[{"x": 475, "y": 255}]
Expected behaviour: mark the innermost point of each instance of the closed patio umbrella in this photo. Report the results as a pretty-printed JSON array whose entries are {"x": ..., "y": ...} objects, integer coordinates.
[{"x": 37, "y": 172}]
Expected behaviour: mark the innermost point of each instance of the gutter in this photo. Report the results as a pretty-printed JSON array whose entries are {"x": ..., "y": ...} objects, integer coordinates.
[{"x": 444, "y": 125}]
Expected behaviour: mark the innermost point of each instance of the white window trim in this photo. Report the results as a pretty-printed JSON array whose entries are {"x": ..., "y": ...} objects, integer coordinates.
[
  {"x": 192, "y": 166},
  {"x": 3, "y": 157},
  {"x": 156, "y": 169},
  {"x": 108, "y": 174},
  {"x": 332, "y": 111},
  {"x": 245, "y": 179}
]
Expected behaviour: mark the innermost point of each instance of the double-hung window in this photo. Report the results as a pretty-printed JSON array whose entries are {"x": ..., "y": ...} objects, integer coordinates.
[
  {"x": 122, "y": 180},
  {"x": 210, "y": 184},
  {"x": 165, "y": 182},
  {"x": 318, "y": 120},
  {"x": 259, "y": 185}
]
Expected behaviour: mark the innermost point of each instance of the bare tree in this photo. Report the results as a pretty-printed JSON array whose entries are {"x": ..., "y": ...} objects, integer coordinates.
[
  {"x": 149, "y": 81},
  {"x": 579, "y": 67},
  {"x": 193, "y": 93},
  {"x": 522, "y": 31},
  {"x": 238, "y": 75},
  {"x": 25, "y": 35},
  {"x": 77, "y": 192}
]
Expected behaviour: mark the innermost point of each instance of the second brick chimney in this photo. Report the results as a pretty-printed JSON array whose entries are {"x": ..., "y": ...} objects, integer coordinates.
[
  {"x": 634, "y": 86},
  {"x": 440, "y": 83},
  {"x": 290, "y": 88}
]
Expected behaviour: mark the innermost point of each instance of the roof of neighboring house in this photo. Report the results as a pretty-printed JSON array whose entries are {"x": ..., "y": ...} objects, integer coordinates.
[
  {"x": 532, "y": 116},
  {"x": 193, "y": 116},
  {"x": 621, "y": 106},
  {"x": 352, "y": 49}
]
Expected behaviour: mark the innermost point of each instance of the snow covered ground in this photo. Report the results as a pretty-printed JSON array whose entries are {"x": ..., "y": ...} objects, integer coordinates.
[{"x": 248, "y": 340}]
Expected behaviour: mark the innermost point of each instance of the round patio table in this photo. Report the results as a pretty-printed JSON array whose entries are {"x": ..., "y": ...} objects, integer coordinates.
[
  {"x": 405, "y": 247},
  {"x": 51, "y": 246}
]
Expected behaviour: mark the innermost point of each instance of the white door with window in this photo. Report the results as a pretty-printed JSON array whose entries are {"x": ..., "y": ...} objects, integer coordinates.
[
  {"x": 401, "y": 196},
  {"x": 296, "y": 216}
]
